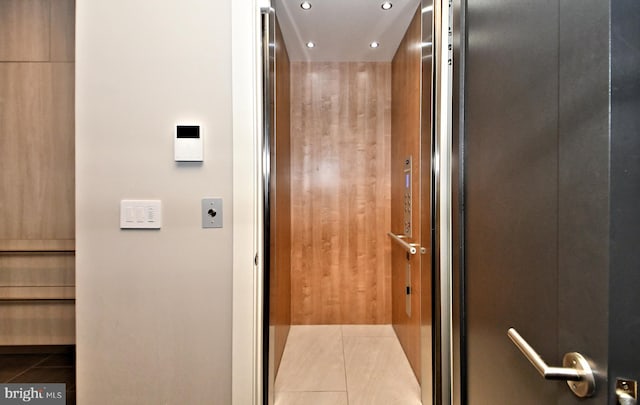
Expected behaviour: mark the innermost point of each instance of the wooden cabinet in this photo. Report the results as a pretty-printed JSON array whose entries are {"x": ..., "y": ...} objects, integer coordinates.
[{"x": 37, "y": 182}]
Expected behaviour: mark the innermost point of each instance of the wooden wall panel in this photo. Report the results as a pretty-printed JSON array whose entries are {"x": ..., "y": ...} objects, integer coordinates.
[
  {"x": 37, "y": 292},
  {"x": 32, "y": 322},
  {"x": 405, "y": 135},
  {"x": 37, "y": 245},
  {"x": 40, "y": 269},
  {"x": 37, "y": 159},
  {"x": 280, "y": 288},
  {"x": 24, "y": 30},
  {"x": 37, "y": 151},
  {"x": 340, "y": 151},
  {"x": 63, "y": 29}
]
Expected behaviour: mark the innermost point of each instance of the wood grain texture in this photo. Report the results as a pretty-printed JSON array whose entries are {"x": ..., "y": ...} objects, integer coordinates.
[
  {"x": 37, "y": 293},
  {"x": 37, "y": 185},
  {"x": 340, "y": 203},
  {"x": 405, "y": 134},
  {"x": 280, "y": 283},
  {"x": 37, "y": 322},
  {"x": 37, "y": 245},
  {"x": 37, "y": 270},
  {"x": 24, "y": 30},
  {"x": 37, "y": 151},
  {"x": 63, "y": 30}
]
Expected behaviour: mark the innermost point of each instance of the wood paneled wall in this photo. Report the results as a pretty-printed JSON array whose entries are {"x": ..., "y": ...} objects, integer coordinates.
[
  {"x": 405, "y": 136},
  {"x": 280, "y": 271},
  {"x": 37, "y": 209},
  {"x": 340, "y": 201}
]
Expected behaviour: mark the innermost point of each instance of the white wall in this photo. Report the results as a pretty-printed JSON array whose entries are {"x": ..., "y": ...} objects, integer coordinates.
[{"x": 153, "y": 307}]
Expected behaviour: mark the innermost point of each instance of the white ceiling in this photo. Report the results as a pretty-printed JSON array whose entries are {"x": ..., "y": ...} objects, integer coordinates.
[{"x": 343, "y": 29}]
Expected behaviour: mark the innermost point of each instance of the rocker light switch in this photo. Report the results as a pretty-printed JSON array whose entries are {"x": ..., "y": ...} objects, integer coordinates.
[{"x": 140, "y": 214}]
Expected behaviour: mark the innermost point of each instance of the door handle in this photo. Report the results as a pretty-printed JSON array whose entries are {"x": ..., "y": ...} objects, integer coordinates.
[
  {"x": 412, "y": 248},
  {"x": 576, "y": 370}
]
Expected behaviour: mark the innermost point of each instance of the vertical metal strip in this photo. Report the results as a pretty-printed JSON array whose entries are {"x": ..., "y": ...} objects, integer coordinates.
[
  {"x": 437, "y": 268},
  {"x": 447, "y": 105},
  {"x": 458, "y": 42},
  {"x": 442, "y": 182},
  {"x": 262, "y": 284},
  {"x": 428, "y": 327},
  {"x": 268, "y": 138},
  {"x": 266, "y": 219}
]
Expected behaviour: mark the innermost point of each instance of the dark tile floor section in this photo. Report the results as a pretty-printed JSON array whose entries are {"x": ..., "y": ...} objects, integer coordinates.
[{"x": 57, "y": 366}]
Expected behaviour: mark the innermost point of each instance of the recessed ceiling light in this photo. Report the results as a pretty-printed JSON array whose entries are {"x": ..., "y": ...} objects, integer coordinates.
[
  {"x": 311, "y": 44},
  {"x": 374, "y": 44},
  {"x": 305, "y": 5},
  {"x": 386, "y": 5}
]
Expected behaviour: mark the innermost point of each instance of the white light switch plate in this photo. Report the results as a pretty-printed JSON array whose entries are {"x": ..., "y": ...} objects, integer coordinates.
[{"x": 140, "y": 214}]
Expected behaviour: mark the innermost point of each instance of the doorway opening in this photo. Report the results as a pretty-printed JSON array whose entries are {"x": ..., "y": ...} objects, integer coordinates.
[{"x": 348, "y": 214}]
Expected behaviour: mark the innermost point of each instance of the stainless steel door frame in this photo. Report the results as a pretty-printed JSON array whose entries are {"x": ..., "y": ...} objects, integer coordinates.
[
  {"x": 268, "y": 103},
  {"x": 441, "y": 168},
  {"x": 458, "y": 360},
  {"x": 428, "y": 320}
]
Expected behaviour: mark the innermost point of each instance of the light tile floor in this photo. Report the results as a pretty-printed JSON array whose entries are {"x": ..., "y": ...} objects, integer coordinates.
[{"x": 345, "y": 365}]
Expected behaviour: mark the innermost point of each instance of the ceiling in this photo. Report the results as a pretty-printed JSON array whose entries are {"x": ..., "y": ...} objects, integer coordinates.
[{"x": 342, "y": 30}]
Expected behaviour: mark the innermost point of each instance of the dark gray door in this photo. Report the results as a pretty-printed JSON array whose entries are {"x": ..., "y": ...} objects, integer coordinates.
[{"x": 536, "y": 188}]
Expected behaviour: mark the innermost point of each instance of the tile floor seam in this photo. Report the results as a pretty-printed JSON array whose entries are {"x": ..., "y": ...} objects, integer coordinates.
[
  {"x": 358, "y": 343},
  {"x": 29, "y": 369},
  {"x": 344, "y": 364}
]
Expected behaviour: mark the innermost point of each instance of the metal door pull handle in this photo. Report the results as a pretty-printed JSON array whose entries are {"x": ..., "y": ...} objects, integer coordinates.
[
  {"x": 576, "y": 371},
  {"x": 549, "y": 373},
  {"x": 409, "y": 247}
]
